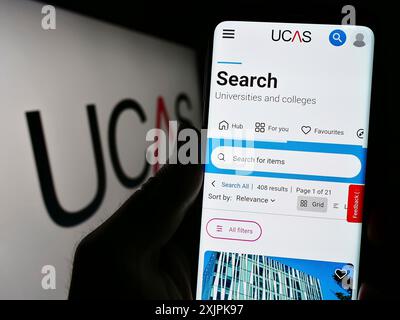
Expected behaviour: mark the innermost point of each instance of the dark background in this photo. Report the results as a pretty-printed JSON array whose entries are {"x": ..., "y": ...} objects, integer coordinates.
[{"x": 191, "y": 23}]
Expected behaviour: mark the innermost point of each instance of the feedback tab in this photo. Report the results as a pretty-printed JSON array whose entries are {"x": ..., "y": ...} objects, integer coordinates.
[{"x": 355, "y": 203}]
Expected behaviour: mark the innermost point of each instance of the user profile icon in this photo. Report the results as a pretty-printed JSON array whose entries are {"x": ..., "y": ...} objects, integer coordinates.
[{"x": 359, "y": 40}]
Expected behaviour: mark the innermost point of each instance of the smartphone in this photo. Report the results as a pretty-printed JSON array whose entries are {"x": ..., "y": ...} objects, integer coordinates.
[{"x": 287, "y": 120}]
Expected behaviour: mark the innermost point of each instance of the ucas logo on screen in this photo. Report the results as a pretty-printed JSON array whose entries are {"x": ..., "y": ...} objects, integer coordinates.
[{"x": 291, "y": 35}]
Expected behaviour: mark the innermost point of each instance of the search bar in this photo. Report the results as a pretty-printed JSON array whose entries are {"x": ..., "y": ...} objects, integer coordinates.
[{"x": 286, "y": 161}]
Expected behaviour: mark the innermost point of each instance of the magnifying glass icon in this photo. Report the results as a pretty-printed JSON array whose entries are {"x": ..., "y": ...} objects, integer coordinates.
[
  {"x": 336, "y": 37},
  {"x": 221, "y": 156}
]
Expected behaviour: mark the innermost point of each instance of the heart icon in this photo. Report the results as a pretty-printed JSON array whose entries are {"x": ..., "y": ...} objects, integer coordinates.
[
  {"x": 306, "y": 129},
  {"x": 340, "y": 273}
]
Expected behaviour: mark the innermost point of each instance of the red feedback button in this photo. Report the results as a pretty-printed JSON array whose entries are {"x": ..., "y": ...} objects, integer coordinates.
[
  {"x": 232, "y": 229},
  {"x": 355, "y": 203}
]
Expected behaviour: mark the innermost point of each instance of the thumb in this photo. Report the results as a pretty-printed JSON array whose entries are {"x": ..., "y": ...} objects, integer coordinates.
[{"x": 151, "y": 216}]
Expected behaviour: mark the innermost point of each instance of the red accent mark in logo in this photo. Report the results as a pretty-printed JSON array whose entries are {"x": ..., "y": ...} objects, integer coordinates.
[
  {"x": 297, "y": 33},
  {"x": 161, "y": 114}
]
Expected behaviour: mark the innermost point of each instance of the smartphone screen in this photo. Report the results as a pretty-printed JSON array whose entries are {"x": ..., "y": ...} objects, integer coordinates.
[{"x": 285, "y": 166}]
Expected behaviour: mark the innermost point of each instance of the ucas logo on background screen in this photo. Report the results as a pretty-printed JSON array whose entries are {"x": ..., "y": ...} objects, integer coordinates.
[{"x": 291, "y": 36}]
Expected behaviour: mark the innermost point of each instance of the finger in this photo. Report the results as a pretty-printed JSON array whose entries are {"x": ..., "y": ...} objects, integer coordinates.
[
  {"x": 178, "y": 270},
  {"x": 367, "y": 292},
  {"x": 375, "y": 227},
  {"x": 151, "y": 216}
]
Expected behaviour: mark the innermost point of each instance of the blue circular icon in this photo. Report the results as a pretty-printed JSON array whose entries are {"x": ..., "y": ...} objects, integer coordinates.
[{"x": 337, "y": 38}]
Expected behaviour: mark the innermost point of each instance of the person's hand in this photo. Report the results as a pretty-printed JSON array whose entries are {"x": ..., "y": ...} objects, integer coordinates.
[
  {"x": 135, "y": 253},
  {"x": 378, "y": 267}
]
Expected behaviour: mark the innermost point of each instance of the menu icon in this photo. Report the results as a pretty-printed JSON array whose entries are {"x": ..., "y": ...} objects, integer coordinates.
[{"x": 228, "y": 33}]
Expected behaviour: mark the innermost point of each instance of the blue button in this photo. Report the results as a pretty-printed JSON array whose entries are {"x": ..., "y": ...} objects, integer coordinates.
[{"x": 337, "y": 38}]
